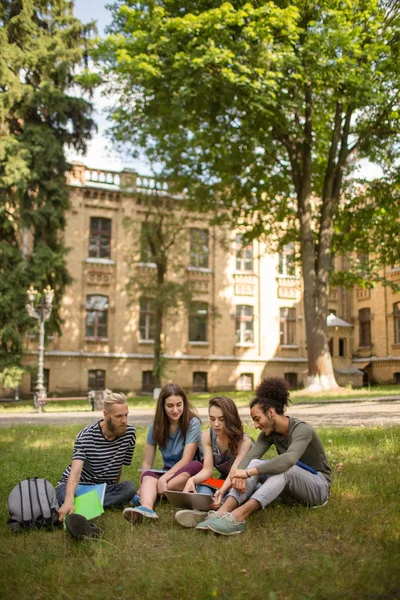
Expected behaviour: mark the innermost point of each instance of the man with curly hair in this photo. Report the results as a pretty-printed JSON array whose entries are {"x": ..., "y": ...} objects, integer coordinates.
[{"x": 300, "y": 471}]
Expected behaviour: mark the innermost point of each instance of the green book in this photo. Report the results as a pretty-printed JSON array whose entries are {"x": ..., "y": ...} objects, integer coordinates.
[{"x": 89, "y": 505}]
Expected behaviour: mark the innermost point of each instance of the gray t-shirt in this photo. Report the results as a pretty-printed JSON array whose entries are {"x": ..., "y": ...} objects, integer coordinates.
[{"x": 301, "y": 443}]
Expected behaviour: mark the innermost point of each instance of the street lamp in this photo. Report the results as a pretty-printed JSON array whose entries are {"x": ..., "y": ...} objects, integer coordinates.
[{"x": 40, "y": 311}]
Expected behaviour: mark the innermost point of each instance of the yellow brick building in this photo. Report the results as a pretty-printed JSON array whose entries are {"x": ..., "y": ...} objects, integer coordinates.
[{"x": 259, "y": 328}]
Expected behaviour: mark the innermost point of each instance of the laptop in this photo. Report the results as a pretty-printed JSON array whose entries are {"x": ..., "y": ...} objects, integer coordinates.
[{"x": 189, "y": 500}]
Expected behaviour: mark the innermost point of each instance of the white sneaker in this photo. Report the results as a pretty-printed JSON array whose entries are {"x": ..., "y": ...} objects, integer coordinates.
[{"x": 189, "y": 518}]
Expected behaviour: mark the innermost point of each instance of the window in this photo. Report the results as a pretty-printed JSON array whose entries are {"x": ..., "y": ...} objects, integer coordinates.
[
  {"x": 396, "y": 378},
  {"x": 147, "y": 252},
  {"x": 46, "y": 379},
  {"x": 99, "y": 238},
  {"x": 97, "y": 379},
  {"x": 199, "y": 248},
  {"x": 147, "y": 382},
  {"x": 244, "y": 255},
  {"x": 291, "y": 379},
  {"x": 146, "y": 319},
  {"x": 287, "y": 326},
  {"x": 200, "y": 381},
  {"x": 287, "y": 266},
  {"x": 342, "y": 347},
  {"x": 364, "y": 318},
  {"x": 245, "y": 382},
  {"x": 330, "y": 345},
  {"x": 244, "y": 324},
  {"x": 363, "y": 264},
  {"x": 96, "y": 316},
  {"x": 396, "y": 319},
  {"x": 198, "y": 322}
]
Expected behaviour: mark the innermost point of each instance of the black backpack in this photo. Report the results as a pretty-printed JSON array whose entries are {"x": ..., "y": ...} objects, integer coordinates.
[{"x": 33, "y": 503}]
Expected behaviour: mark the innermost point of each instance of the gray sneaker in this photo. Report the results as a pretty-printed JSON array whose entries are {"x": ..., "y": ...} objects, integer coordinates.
[
  {"x": 226, "y": 525},
  {"x": 189, "y": 518}
]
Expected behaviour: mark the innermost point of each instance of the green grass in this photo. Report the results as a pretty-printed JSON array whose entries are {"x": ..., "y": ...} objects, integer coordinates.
[
  {"x": 201, "y": 400},
  {"x": 349, "y": 549}
]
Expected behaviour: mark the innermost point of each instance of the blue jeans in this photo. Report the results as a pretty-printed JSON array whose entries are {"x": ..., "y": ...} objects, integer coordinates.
[
  {"x": 116, "y": 493},
  {"x": 204, "y": 489}
]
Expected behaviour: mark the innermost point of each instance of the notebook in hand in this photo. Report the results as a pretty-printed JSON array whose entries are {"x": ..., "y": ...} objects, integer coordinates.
[
  {"x": 189, "y": 500},
  {"x": 84, "y": 488},
  {"x": 152, "y": 470}
]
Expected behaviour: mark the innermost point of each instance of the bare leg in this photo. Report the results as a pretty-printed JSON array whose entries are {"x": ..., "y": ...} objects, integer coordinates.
[
  {"x": 148, "y": 491},
  {"x": 229, "y": 505},
  {"x": 178, "y": 482},
  {"x": 241, "y": 513}
]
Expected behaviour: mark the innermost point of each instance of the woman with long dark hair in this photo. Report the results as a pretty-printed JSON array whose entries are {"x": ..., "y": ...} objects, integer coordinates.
[
  {"x": 224, "y": 445},
  {"x": 176, "y": 431},
  {"x": 300, "y": 471}
]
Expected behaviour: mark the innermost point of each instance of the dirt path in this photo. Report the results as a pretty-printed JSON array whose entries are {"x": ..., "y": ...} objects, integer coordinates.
[{"x": 336, "y": 414}]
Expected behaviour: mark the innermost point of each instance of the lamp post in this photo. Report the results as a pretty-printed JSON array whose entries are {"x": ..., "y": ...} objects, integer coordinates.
[{"x": 40, "y": 311}]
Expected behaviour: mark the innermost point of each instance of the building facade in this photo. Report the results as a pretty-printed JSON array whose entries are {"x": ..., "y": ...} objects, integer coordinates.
[{"x": 247, "y": 321}]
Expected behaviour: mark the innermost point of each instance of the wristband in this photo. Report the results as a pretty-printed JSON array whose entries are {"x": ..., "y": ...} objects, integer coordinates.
[{"x": 247, "y": 473}]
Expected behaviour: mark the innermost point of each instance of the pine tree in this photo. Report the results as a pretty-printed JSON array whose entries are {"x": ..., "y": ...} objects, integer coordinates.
[{"x": 43, "y": 48}]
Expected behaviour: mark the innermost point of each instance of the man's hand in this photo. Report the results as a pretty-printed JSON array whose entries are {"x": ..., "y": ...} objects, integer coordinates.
[
  {"x": 66, "y": 509},
  {"x": 239, "y": 484},
  {"x": 162, "y": 485},
  {"x": 190, "y": 486}
]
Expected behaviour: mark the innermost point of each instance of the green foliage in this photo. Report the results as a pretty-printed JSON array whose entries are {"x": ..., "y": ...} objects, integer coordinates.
[
  {"x": 262, "y": 108},
  {"x": 10, "y": 377},
  {"x": 43, "y": 46},
  {"x": 158, "y": 264}
]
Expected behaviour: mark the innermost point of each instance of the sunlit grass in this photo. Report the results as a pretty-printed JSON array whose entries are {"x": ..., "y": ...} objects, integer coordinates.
[{"x": 348, "y": 549}]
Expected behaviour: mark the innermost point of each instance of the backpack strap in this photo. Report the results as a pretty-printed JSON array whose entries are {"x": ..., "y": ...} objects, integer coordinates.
[
  {"x": 31, "y": 520},
  {"x": 22, "y": 502},
  {"x": 42, "y": 510}
]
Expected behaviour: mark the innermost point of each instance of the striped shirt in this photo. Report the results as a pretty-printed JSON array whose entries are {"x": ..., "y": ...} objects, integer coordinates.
[{"x": 103, "y": 459}]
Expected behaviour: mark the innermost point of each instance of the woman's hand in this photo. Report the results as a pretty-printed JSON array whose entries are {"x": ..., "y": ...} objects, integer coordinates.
[
  {"x": 190, "y": 486},
  {"x": 217, "y": 500},
  {"x": 162, "y": 485}
]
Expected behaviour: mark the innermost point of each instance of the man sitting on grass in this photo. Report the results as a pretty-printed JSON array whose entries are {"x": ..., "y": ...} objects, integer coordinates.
[
  {"x": 100, "y": 451},
  {"x": 300, "y": 470}
]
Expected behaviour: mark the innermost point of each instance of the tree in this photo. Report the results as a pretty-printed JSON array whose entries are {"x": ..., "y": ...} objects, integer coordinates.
[
  {"x": 263, "y": 108},
  {"x": 42, "y": 48},
  {"x": 158, "y": 275}
]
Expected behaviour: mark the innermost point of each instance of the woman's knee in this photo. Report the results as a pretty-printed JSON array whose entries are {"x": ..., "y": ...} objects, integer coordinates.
[{"x": 178, "y": 483}]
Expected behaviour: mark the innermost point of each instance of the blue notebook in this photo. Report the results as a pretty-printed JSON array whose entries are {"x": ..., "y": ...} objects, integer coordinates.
[{"x": 85, "y": 488}]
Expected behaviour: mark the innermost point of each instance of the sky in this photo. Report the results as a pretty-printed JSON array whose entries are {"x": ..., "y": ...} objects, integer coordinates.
[{"x": 100, "y": 152}]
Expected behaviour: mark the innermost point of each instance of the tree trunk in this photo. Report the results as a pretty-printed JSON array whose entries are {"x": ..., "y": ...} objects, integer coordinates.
[{"x": 320, "y": 369}]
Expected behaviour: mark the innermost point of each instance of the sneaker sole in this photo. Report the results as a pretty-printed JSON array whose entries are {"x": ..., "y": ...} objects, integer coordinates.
[
  {"x": 135, "y": 517},
  {"x": 190, "y": 518},
  {"x": 202, "y": 528},
  {"x": 80, "y": 528},
  {"x": 210, "y": 527}
]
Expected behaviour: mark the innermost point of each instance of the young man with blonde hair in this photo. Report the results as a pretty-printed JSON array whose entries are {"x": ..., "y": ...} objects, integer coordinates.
[{"x": 100, "y": 451}]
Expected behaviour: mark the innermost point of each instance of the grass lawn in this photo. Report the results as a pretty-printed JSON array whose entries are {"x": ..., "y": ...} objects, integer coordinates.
[
  {"x": 349, "y": 549},
  {"x": 201, "y": 400}
]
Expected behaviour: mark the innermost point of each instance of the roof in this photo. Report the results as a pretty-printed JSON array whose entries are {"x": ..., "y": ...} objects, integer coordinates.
[{"x": 334, "y": 321}]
